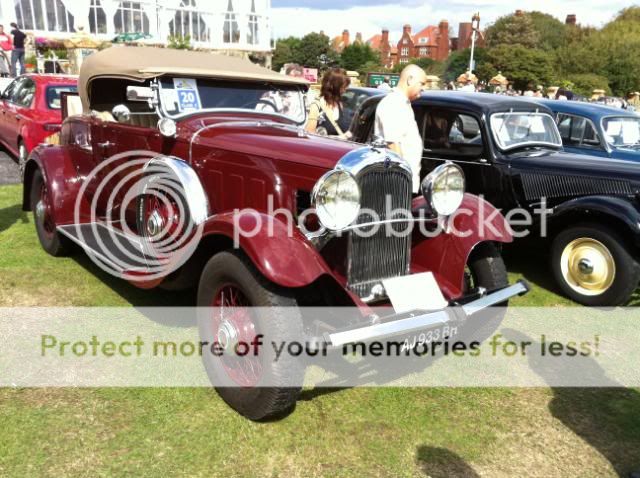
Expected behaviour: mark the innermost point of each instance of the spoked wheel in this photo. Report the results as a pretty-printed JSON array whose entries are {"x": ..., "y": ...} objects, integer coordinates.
[
  {"x": 594, "y": 266},
  {"x": 232, "y": 325},
  {"x": 242, "y": 310},
  {"x": 50, "y": 239}
]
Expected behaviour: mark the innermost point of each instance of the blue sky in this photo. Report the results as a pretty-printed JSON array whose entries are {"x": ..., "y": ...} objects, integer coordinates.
[{"x": 298, "y": 17}]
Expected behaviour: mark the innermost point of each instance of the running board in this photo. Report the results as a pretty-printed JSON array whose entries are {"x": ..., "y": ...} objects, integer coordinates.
[{"x": 117, "y": 250}]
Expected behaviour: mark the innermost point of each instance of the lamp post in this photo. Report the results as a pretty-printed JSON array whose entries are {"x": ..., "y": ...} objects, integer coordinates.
[{"x": 475, "y": 27}]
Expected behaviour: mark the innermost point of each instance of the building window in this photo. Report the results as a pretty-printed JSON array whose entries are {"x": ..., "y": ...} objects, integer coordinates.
[
  {"x": 97, "y": 18},
  {"x": 404, "y": 52},
  {"x": 58, "y": 18},
  {"x": 252, "y": 35},
  {"x": 131, "y": 19},
  {"x": 424, "y": 40},
  {"x": 404, "y": 41},
  {"x": 43, "y": 15},
  {"x": 404, "y": 60},
  {"x": 230, "y": 32},
  {"x": 189, "y": 21},
  {"x": 423, "y": 51}
]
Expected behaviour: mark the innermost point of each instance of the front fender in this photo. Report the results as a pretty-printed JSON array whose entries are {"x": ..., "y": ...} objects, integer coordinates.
[
  {"x": 61, "y": 179},
  {"x": 281, "y": 253},
  {"x": 617, "y": 208},
  {"x": 447, "y": 253}
]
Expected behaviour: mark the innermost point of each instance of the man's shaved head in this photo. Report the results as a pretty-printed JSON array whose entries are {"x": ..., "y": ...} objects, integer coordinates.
[{"x": 412, "y": 81}]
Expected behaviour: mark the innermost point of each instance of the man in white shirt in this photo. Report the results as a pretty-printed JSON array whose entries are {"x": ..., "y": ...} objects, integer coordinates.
[{"x": 396, "y": 123}]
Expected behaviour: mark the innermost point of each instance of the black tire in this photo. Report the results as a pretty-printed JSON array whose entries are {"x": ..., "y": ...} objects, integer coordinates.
[
  {"x": 50, "y": 239},
  {"x": 255, "y": 402},
  {"x": 487, "y": 270},
  {"x": 626, "y": 273}
]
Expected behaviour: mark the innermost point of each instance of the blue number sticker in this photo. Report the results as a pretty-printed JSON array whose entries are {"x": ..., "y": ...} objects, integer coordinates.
[{"x": 188, "y": 95}]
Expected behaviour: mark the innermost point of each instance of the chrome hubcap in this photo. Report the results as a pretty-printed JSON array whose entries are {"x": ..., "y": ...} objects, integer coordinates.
[
  {"x": 40, "y": 210},
  {"x": 588, "y": 266},
  {"x": 155, "y": 224},
  {"x": 227, "y": 336}
]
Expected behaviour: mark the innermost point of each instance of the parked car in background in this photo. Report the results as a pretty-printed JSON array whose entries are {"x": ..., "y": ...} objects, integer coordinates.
[
  {"x": 229, "y": 136},
  {"x": 354, "y": 97},
  {"x": 511, "y": 152},
  {"x": 30, "y": 111},
  {"x": 594, "y": 129}
]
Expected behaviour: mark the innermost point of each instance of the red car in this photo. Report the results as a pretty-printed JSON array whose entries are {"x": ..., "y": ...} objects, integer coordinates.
[
  {"x": 30, "y": 111},
  {"x": 174, "y": 146}
]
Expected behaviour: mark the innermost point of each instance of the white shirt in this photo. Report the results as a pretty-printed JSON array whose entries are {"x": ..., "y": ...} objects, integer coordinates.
[
  {"x": 396, "y": 123},
  {"x": 384, "y": 86},
  {"x": 468, "y": 87}
]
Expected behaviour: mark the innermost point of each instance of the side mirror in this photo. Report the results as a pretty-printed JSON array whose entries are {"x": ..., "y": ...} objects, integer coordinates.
[
  {"x": 139, "y": 93},
  {"x": 121, "y": 113}
]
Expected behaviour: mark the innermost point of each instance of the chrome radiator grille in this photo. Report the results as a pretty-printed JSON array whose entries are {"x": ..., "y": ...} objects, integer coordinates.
[{"x": 380, "y": 255}]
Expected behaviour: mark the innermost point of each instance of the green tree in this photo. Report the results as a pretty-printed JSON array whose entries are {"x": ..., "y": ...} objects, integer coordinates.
[
  {"x": 629, "y": 14},
  {"x": 551, "y": 31},
  {"x": 356, "y": 55},
  {"x": 513, "y": 30},
  {"x": 314, "y": 51},
  {"x": 585, "y": 83},
  {"x": 524, "y": 66},
  {"x": 285, "y": 52},
  {"x": 458, "y": 63}
]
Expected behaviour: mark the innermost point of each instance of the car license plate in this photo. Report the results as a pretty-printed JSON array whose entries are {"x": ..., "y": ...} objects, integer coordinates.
[
  {"x": 414, "y": 292},
  {"x": 441, "y": 333}
]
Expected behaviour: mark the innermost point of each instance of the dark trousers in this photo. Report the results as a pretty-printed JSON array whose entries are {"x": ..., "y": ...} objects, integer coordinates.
[{"x": 17, "y": 56}]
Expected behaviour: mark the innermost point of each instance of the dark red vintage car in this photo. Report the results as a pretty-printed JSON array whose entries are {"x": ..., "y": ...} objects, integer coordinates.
[
  {"x": 173, "y": 146},
  {"x": 30, "y": 111}
]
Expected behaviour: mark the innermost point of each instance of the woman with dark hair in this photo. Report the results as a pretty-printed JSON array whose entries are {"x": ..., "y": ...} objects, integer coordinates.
[{"x": 325, "y": 114}]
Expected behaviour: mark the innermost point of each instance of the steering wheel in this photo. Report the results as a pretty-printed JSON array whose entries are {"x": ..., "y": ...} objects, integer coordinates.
[{"x": 263, "y": 101}]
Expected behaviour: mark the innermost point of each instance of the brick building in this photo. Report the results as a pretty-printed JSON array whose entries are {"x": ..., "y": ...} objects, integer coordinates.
[
  {"x": 430, "y": 42},
  {"x": 463, "y": 41}
]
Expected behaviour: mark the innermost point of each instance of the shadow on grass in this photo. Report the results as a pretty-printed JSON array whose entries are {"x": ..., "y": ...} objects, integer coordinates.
[
  {"x": 608, "y": 418},
  {"x": 137, "y": 297},
  {"x": 442, "y": 463},
  {"x": 532, "y": 262},
  {"x": 10, "y": 215}
]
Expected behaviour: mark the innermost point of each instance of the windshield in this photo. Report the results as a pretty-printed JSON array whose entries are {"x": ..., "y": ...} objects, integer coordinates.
[
  {"x": 622, "y": 132},
  {"x": 53, "y": 94},
  {"x": 514, "y": 130},
  {"x": 189, "y": 95}
]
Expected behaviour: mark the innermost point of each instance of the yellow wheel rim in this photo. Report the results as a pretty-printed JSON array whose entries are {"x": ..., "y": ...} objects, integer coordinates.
[{"x": 588, "y": 266}]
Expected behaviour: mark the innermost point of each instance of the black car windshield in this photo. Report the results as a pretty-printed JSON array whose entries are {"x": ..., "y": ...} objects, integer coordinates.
[
  {"x": 188, "y": 95},
  {"x": 53, "y": 94},
  {"x": 515, "y": 130},
  {"x": 622, "y": 131}
]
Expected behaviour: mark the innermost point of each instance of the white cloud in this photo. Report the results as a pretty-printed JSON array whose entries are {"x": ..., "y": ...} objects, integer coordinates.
[{"x": 371, "y": 19}]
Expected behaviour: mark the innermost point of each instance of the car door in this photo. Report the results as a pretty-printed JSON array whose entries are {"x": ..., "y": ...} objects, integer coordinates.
[
  {"x": 457, "y": 136},
  {"x": 9, "y": 111},
  {"x": 5, "y": 106},
  {"x": 579, "y": 135}
]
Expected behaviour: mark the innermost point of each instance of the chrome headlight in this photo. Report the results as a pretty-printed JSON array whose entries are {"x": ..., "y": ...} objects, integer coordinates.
[
  {"x": 336, "y": 198},
  {"x": 444, "y": 188}
]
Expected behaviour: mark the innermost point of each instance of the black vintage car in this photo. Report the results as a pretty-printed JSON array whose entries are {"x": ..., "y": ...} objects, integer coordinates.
[{"x": 511, "y": 152}]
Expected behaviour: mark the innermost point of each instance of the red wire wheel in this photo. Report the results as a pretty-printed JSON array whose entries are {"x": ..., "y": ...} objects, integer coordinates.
[{"x": 234, "y": 329}]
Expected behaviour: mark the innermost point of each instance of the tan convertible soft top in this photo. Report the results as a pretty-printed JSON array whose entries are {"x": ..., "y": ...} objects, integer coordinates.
[{"x": 141, "y": 63}]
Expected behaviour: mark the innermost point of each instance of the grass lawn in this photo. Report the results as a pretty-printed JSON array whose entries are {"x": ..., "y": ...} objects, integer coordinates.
[{"x": 354, "y": 432}]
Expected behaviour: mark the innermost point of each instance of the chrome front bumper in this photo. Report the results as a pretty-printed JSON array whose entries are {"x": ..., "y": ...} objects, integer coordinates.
[{"x": 418, "y": 322}]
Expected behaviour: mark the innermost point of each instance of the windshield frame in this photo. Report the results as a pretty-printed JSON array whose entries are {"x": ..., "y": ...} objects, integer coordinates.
[
  {"x": 503, "y": 148},
  {"x": 612, "y": 147},
  {"x": 157, "y": 85}
]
